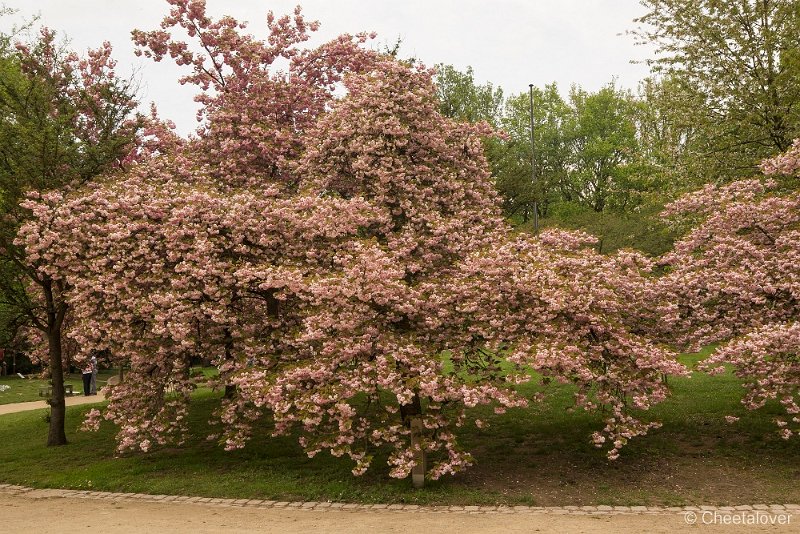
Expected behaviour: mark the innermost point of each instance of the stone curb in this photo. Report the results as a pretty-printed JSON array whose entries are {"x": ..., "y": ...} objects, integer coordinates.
[{"x": 405, "y": 508}]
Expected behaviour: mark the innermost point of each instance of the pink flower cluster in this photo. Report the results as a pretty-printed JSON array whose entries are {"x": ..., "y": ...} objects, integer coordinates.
[{"x": 735, "y": 279}]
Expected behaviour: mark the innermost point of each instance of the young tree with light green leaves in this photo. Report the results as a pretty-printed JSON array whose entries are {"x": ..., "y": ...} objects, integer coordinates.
[
  {"x": 605, "y": 165},
  {"x": 735, "y": 71},
  {"x": 462, "y": 98}
]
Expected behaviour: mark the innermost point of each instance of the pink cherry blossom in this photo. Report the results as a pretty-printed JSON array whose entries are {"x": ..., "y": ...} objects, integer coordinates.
[
  {"x": 735, "y": 279},
  {"x": 340, "y": 257}
]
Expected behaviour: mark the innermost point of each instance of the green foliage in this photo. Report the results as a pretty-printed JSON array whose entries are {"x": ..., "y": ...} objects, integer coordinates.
[
  {"x": 639, "y": 229},
  {"x": 55, "y": 129},
  {"x": 725, "y": 94},
  {"x": 602, "y": 136},
  {"x": 511, "y": 160},
  {"x": 62, "y": 123},
  {"x": 602, "y": 161},
  {"x": 463, "y": 99},
  {"x": 732, "y": 72},
  {"x": 588, "y": 153}
]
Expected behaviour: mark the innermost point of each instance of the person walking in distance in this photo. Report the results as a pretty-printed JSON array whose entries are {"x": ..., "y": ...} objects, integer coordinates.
[
  {"x": 87, "y": 378},
  {"x": 93, "y": 382}
]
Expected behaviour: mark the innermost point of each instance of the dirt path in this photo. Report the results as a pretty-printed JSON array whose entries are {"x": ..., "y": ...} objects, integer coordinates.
[
  {"x": 41, "y": 511},
  {"x": 40, "y": 405}
]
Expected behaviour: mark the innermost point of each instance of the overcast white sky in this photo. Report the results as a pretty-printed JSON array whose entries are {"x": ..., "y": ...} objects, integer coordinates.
[{"x": 509, "y": 42}]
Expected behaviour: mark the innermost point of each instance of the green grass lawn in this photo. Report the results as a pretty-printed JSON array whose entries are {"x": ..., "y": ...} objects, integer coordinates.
[
  {"x": 27, "y": 389},
  {"x": 538, "y": 456}
]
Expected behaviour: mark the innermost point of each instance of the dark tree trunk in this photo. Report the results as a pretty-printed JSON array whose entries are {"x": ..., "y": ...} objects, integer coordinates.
[
  {"x": 409, "y": 411},
  {"x": 58, "y": 407},
  {"x": 55, "y": 319},
  {"x": 230, "y": 389}
]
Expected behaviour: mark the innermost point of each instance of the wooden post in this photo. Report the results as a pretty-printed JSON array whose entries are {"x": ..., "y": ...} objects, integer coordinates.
[
  {"x": 418, "y": 471},
  {"x": 412, "y": 417}
]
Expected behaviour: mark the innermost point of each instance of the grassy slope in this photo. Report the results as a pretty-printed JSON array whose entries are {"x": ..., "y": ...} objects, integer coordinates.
[{"x": 537, "y": 456}]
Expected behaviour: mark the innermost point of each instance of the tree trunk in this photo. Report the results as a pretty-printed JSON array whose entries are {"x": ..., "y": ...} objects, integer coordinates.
[
  {"x": 230, "y": 389},
  {"x": 411, "y": 417},
  {"x": 56, "y": 311},
  {"x": 58, "y": 407}
]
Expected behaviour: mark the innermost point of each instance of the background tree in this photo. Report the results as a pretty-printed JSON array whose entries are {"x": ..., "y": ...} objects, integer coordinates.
[
  {"x": 511, "y": 159},
  {"x": 738, "y": 68},
  {"x": 615, "y": 181},
  {"x": 461, "y": 98},
  {"x": 64, "y": 120},
  {"x": 604, "y": 150},
  {"x": 666, "y": 134},
  {"x": 604, "y": 160}
]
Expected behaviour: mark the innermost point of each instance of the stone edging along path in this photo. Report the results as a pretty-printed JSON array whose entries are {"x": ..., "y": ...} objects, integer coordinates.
[{"x": 314, "y": 506}]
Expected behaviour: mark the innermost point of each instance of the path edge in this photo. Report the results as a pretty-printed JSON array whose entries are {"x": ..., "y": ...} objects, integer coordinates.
[{"x": 319, "y": 506}]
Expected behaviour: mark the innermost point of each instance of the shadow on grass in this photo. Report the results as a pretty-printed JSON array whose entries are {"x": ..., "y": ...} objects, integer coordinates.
[{"x": 539, "y": 456}]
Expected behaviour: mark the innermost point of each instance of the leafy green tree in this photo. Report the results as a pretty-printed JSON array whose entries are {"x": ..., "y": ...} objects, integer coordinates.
[
  {"x": 737, "y": 67},
  {"x": 600, "y": 158},
  {"x": 512, "y": 159},
  {"x": 604, "y": 149},
  {"x": 461, "y": 98},
  {"x": 665, "y": 133}
]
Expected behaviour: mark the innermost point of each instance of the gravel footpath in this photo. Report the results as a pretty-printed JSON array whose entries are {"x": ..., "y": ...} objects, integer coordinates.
[
  {"x": 31, "y": 510},
  {"x": 41, "y": 405}
]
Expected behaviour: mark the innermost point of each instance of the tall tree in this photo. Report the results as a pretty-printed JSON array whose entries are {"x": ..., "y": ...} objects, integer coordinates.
[
  {"x": 664, "y": 132},
  {"x": 604, "y": 149},
  {"x": 739, "y": 66},
  {"x": 511, "y": 160},
  {"x": 64, "y": 120},
  {"x": 461, "y": 98},
  {"x": 601, "y": 158}
]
